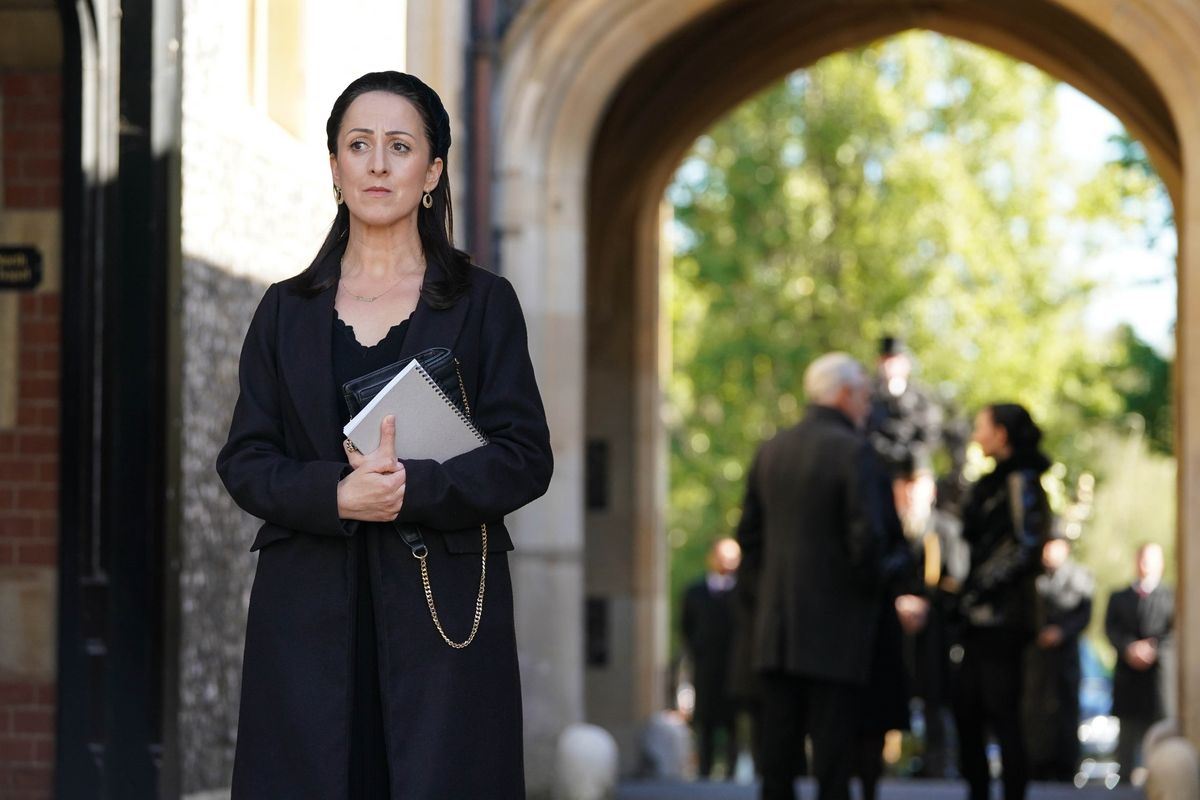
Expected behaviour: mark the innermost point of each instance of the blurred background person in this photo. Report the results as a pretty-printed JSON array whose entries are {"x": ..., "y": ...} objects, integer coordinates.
[
  {"x": 1006, "y": 520},
  {"x": 1052, "y": 669},
  {"x": 910, "y": 430},
  {"x": 905, "y": 422},
  {"x": 883, "y": 706},
  {"x": 942, "y": 560},
  {"x": 813, "y": 535},
  {"x": 904, "y": 425},
  {"x": 1139, "y": 622},
  {"x": 709, "y": 625}
]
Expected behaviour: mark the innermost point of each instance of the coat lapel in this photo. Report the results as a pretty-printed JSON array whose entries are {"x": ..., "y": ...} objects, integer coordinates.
[
  {"x": 432, "y": 327},
  {"x": 306, "y": 347}
]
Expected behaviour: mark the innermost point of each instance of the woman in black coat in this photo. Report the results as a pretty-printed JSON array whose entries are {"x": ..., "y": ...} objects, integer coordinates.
[
  {"x": 1006, "y": 519},
  {"x": 369, "y": 673}
]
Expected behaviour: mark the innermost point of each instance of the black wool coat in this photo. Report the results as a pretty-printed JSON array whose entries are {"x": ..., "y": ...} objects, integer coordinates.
[
  {"x": 709, "y": 622},
  {"x": 1149, "y": 694},
  {"x": 1052, "y": 675},
  {"x": 822, "y": 550},
  {"x": 452, "y": 718},
  {"x": 1000, "y": 590}
]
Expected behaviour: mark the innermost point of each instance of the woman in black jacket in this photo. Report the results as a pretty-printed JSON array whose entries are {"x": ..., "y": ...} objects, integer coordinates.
[
  {"x": 380, "y": 649},
  {"x": 1006, "y": 518}
]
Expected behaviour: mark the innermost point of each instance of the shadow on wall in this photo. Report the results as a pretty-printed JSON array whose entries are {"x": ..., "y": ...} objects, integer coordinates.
[{"x": 216, "y": 564}]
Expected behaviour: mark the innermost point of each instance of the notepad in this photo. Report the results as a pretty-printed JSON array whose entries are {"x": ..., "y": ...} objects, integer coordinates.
[{"x": 428, "y": 424}]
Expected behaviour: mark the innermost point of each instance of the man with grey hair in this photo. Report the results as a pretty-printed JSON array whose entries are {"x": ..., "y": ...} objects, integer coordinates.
[
  {"x": 837, "y": 380},
  {"x": 821, "y": 545}
]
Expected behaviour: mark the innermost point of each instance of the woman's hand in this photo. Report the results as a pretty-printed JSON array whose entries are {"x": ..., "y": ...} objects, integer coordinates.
[{"x": 374, "y": 491}]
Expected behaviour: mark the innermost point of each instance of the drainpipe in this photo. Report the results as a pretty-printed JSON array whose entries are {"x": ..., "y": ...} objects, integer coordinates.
[{"x": 481, "y": 69}]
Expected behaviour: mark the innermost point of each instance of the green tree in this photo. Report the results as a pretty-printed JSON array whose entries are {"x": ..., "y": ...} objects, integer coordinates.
[
  {"x": 1142, "y": 378},
  {"x": 1128, "y": 193}
]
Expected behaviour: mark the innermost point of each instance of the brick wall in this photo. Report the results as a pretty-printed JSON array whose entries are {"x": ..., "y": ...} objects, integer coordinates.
[
  {"x": 26, "y": 741},
  {"x": 32, "y": 139},
  {"x": 30, "y": 107},
  {"x": 29, "y": 453}
]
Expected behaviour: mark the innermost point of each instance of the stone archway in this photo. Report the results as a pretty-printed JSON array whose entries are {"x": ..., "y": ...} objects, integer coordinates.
[{"x": 599, "y": 101}]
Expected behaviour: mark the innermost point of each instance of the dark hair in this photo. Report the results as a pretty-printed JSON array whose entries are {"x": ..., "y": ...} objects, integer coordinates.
[
  {"x": 1024, "y": 436},
  {"x": 435, "y": 225}
]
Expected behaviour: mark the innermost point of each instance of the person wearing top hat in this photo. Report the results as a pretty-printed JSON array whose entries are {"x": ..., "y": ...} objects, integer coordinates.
[{"x": 905, "y": 423}]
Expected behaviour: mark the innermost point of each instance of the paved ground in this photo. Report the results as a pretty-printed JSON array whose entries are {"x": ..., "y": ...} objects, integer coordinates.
[{"x": 890, "y": 790}]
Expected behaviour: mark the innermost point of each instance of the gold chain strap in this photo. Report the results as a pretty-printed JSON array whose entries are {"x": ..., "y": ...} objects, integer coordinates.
[
  {"x": 437, "y": 622},
  {"x": 478, "y": 600}
]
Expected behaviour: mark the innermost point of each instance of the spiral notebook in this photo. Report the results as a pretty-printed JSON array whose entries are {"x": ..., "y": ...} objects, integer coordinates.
[{"x": 428, "y": 425}]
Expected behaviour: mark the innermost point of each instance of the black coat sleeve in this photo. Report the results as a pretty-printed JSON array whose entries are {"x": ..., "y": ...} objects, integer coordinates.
[
  {"x": 1076, "y": 602},
  {"x": 1020, "y": 555},
  {"x": 1075, "y": 621},
  {"x": 875, "y": 540},
  {"x": 750, "y": 539},
  {"x": 1119, "y": 623},
  {"x": 898, "y": 568},
  {"x": 256, "y": 465},
  {"x": 515, "y": 466},
  {"x": 690, "y": 621}
]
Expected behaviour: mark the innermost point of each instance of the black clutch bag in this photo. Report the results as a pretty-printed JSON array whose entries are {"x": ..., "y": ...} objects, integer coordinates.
[{"x": 439, "y": 362}]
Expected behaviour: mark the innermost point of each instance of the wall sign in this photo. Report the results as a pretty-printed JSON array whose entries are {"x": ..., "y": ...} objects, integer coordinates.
[{"x": 20, "y": 268}]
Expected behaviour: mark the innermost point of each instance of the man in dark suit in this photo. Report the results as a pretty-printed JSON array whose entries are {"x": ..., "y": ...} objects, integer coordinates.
[
  {"x": 817, "y": 512},
  {"x": 709, "y": 621},
  {"x": 1140, "y": 623}
]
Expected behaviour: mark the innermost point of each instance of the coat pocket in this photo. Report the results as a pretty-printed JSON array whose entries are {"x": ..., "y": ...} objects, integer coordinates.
[
  {"x": 469, "y": 540},
  {"x": 268, "y": 534}
]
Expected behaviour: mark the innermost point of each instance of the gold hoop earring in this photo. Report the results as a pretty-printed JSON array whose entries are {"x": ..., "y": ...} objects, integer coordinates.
[
  {"x": 427, "y": 200},
  {"x": 337, "y": 194}
]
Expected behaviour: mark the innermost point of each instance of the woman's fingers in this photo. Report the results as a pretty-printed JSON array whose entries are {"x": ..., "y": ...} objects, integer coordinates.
[
  {"x": 390, "y": 497},
  {"x": 372, "y": 494},
  {"x": 396, "y": 494},
  {"x": 387, "y": 439},
  {"x": 383, "y": 458}
]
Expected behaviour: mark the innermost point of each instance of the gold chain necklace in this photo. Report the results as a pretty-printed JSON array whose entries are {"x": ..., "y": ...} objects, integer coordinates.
[{"x": 361, "y": 297}]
